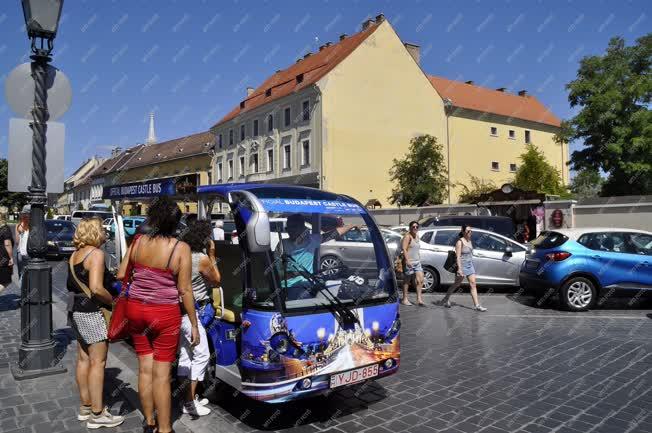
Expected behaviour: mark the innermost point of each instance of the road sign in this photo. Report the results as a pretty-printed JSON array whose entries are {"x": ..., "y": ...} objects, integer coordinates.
[
  {"x": 20, "y": 156},
  {"x": 19, "y": 91}
]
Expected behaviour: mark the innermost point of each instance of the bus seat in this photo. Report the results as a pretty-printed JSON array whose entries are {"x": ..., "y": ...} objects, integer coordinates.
[
  {"x": 226, "y": 314},
  {"x": 229, "y": 262}
]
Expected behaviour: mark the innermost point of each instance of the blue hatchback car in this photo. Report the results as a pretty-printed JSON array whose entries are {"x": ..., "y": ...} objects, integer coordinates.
[{"x": 581, "y": 263}]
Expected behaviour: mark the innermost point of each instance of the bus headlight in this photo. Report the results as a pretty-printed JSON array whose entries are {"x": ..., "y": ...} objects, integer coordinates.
[{"x": 280, "y": 342}]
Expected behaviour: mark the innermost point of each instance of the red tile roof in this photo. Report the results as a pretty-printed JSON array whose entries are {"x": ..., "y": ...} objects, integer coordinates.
[
  {"x": 302, "y": 74},
  {"x": 184, "y": 147},
  {"x": 487, "y": 100}
]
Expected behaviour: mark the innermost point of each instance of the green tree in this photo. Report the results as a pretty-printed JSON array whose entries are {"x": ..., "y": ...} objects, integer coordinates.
[
  {"x": 613, "y": 92},
  {"x": 477, "y": 186},
  {"x": 586, "y": 183},
  {"x": 420, "y": 177},
  {"x": 537, "y": 174},
  {"x": 13, "y": 201}
]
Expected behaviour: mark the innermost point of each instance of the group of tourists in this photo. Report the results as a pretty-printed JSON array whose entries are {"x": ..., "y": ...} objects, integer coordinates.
[
  {"x": 462, "y": 266},
  {"x": 169, "y": 278}
]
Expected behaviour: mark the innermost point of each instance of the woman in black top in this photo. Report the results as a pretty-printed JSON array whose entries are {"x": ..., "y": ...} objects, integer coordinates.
[
  {"x": 6, "y": 254},
  {"x": 88, "y": 322}
]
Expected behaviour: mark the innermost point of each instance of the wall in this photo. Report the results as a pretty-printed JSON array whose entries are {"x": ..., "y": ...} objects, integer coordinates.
[
  {"x": 625, "y": 212},
  {"x": 473, "y": 148},
  {"x": 373, "y": 103},
  {"x": 395, "y": 216}
]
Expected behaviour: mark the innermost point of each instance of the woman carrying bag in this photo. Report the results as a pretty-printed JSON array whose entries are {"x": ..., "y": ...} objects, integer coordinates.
[
  {"x": 464, "y": 268},
  {"x": 88, "y": 315}
]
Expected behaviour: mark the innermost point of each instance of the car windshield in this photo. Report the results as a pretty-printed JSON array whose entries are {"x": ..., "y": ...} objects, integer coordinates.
[
  {"x": 321, "y": 259},
  {"x": 57, "y": 227}
]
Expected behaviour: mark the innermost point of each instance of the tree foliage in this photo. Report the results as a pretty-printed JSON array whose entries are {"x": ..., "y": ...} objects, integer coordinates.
[
  {"x": 537, "y": 174},
  {"x": 586, "y": 183},
  {"x": 14, "y": 201},
  {"x": 420, "y": 177},
  {"x": 613, "y": 92},
  {"x": 476, "y": 187}
]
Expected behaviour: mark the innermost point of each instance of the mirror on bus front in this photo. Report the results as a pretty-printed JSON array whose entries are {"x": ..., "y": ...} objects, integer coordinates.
[{"x": 248, "y": 209}]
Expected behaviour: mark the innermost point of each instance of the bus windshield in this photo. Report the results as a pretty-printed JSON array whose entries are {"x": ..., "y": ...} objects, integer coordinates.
[{"x": 326, "y": 259}]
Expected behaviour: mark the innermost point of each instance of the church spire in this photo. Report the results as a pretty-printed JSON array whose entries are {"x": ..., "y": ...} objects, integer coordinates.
[{"x": 151, "y": 135}]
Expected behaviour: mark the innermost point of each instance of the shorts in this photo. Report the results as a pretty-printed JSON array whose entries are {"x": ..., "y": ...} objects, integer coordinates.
[
  {"x": 154, "y": 329},
  {"x": 413, "y": 269},
  {"x": 89, "y": 328}
]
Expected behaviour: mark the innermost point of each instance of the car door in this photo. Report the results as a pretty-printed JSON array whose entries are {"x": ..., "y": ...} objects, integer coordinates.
[
  {"x": 495, "y": 263},
  {"x": 442, "y": 242},
  {"x": 642, "y": 246},
  {"x": 618, "y": 260}
]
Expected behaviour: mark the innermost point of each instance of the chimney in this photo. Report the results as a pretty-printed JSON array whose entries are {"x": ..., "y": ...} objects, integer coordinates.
[
  {"x": 380, "y": 18},
  {"x": 151, "y": 136},
  {"x": 305, "y": 56},
  {"x": 328, "y": 44},
  {"x": 469, "y": 82},
  {"x": 299, "y": 59},
  {"x": 250, "y": 90},
  {"x": 501, "y": 89},
  {"x": 366, "y": 24},
  {"x": 343, "y": 36},
  {"x": 522, "y": 93},
  {"x": 321, "y": 47},
  {"x": 414, "y": 50}
]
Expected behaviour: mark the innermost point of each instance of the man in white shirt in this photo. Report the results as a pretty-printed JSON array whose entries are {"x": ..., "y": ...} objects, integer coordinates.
[{"x": 218, "y": 231}]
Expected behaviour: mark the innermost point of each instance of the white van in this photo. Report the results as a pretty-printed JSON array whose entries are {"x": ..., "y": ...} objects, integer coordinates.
[{"x": 101, "y": 214}]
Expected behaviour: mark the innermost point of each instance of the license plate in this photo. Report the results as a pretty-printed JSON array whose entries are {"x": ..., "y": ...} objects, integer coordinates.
[{"x": 354, "y": 376}]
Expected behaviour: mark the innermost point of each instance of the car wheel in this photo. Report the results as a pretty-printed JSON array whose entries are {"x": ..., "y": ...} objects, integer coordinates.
[
  {"x": 578, "y": 294},
  {"x": 430, "y": 280},
  {"x": 328, "y": 263}
]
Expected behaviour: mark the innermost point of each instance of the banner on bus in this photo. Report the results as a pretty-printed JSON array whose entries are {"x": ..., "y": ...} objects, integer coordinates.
[{"x": 179, "y": 185}]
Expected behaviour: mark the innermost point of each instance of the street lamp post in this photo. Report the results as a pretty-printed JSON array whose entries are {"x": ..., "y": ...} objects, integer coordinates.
[{"x": 37, "y": 355}]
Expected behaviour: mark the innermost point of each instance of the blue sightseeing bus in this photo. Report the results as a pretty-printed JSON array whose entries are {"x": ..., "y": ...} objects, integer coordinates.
[
  {"x": 308, "y": 299},
  {"x": 300, "y": 311}
]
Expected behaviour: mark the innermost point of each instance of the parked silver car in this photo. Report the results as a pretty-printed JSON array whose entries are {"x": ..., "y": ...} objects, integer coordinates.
[
  {"x": 497, "y": 259},
  {"x": 355, "y": 250}
]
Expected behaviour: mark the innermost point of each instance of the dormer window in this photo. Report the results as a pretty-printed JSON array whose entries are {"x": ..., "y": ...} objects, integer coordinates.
[
  {"x": 268, "y": 92},
  {"x": 242, "y": 104},
  {"x": 299, "y": 78}
]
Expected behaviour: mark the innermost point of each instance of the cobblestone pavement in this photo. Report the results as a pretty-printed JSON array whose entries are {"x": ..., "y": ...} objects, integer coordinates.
[{"x": 516, "y": 368}]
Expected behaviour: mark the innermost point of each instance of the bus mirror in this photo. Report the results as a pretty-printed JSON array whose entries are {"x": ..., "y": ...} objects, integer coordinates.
[{"x": 258, "y": 239}]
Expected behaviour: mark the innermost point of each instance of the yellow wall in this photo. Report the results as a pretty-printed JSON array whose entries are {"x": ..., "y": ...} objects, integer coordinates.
[
  {"x": 373, "y": 103},
  {"x": 473, "y": 148}
]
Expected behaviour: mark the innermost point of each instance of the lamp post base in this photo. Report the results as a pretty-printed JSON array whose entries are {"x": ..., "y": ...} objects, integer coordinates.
[{"x": 20, "y": 374}]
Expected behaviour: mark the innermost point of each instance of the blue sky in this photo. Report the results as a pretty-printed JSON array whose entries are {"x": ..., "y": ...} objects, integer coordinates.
[{"x": 190, "y": 61}]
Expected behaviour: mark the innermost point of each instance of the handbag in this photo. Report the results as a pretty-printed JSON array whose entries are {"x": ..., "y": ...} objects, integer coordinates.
[
  {"x": 451, "y": 262},
  {"x": 119, "y": 326},
  {"x": 398, "y": 264},
  {"x": 87, "y": 291}
]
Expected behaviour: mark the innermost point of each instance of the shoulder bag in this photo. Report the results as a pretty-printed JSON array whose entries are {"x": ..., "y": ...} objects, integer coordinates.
[
  {"x": 87, "y": 291},
  {"x": 451, "y": 261}
]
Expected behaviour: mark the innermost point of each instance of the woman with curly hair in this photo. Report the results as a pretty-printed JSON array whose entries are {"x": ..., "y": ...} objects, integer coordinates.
[
  {"x": 205, "y": 275},
  {"x": 86, "y": 284},
  {"x": 161, "y": 268}
]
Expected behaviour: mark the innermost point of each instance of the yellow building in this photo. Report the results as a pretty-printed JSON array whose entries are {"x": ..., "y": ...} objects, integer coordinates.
[{"x": 338, "y": 117}]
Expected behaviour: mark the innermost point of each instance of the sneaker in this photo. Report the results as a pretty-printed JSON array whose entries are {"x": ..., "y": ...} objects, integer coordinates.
[
  {"x": 104, "y": 419},
  {"x": 84, "y": 413},
  {"x": 195, "y": 410},
  {"x": 201, "y": 401},
  {"x": 480, "y": 308}
]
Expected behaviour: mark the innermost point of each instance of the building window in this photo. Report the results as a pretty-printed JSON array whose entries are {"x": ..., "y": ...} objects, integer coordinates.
[
  {"x": 286, "y": 157},
  {"x": 494, "y": 131},
  {"x": 495, "y": 166},
  {"x": 219, "y": 172},
  {"x": 230, "y": 137},
  {"x": 219, "y": 141},
  {"x": 230, "y": 169},
  {"x": 512, "y": 168},
  {"x": 306, "y": 110},
  {"x": 287, "y": 116},
  {"x": 305, "y": 152},
  {"x": 512, "y": 134},
  {"x": 270, "y": 123},
  {"x": 270, "y": 159},
  {"x": 241, "y": 167},
  {"x": 255, "y": 133},
  {"x": 254, "y": 163},
  {"x": 527, "y": 137},
  {"x": 242, "y": 132}
]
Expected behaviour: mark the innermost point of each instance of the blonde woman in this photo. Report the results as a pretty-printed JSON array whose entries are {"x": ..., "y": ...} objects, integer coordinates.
[
  {"x": 87, "y": 275},
  {"x": 6, "y": 253}
]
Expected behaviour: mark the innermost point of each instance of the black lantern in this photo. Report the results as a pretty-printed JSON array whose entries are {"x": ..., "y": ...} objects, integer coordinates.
[{"x": 42, "y": 17}]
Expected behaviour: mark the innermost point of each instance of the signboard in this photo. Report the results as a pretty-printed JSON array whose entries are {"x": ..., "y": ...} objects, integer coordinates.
[
  {"x": 20, "y": 156},
  {"x": 180, "y": 185},
  {"x": 311, "y": 206}
]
